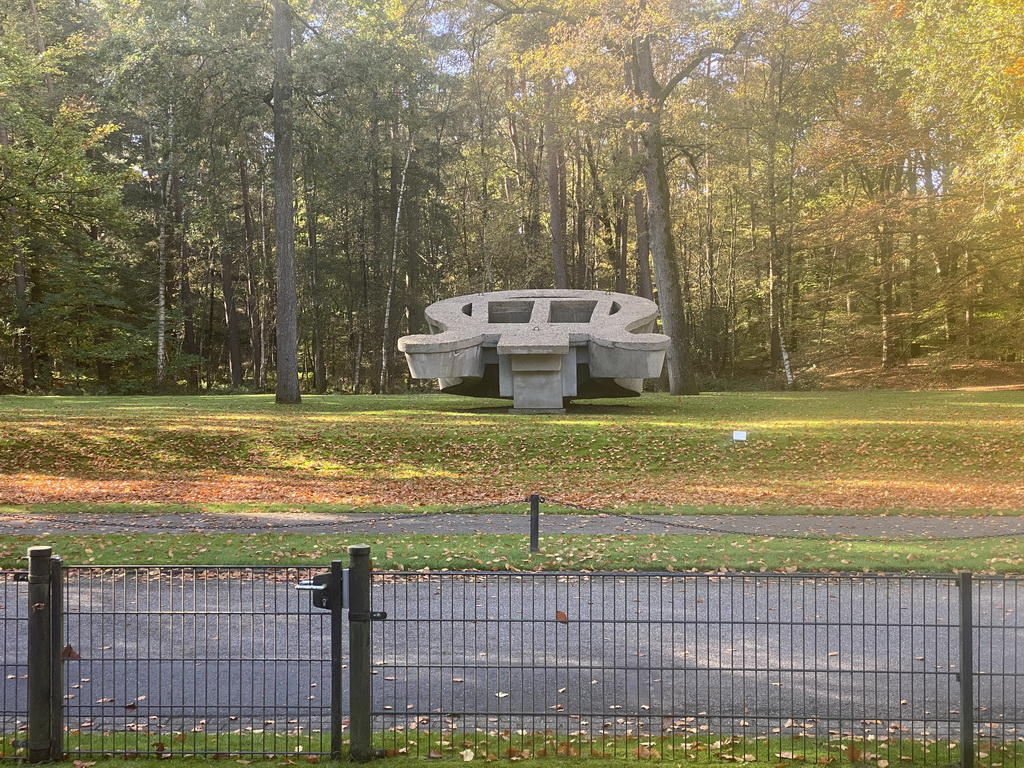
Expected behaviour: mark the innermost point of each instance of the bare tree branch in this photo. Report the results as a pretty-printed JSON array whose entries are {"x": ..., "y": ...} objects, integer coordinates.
[{"x": 698, "y": 58}]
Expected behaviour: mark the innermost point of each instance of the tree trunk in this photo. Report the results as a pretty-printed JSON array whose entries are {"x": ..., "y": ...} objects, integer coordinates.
[
  {"x": 609, "y": 217},
  {"x": 663, "y": 251},
  {"x": 622, "y": 245},
  {"x": 189, "y": 344},
  {"x": 556, "y": 203},
  {"x": 887, "y": 296},
  {"x": 644, "y": 285},
  {"x": 252, "y": 299},
  {"x": 26, "y": 351},
  {"x": 287, "y": 391},
  {"x": 161, "y": 285},
  {"x": 714, "y": 327},
  {"x": 40, "y": 44},
  {"x": 313, "y": 242},
  {"x": 227, "y": 281},
  {"x": 163, "y": 217},
  {"x": 392, "y": 273}
]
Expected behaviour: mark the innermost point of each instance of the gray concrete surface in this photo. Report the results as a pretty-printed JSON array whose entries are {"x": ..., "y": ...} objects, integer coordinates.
[{"x": 541, "y": 348}]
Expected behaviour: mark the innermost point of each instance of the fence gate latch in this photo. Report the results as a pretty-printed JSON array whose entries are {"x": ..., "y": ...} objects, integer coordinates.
[
  {"x": 321, "y": 593},
  {"x": 368, "y": 616}
]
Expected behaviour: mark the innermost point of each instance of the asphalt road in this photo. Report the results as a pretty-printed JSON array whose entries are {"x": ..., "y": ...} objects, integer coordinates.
[{"x": 171, "y": 651}]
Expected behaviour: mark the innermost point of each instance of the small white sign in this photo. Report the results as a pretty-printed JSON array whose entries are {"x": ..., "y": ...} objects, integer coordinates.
[{"x": 739, "y": 436}]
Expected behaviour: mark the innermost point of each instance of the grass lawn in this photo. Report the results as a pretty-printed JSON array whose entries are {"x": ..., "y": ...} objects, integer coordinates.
[
  {"x": 510, "y": 552},
  {"x": 849, "y": 452},
  {"x": 867, "y": 453}
]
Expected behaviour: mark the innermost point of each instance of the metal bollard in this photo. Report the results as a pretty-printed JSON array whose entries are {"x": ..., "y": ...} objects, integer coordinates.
[{"x": 534, "y": 522}]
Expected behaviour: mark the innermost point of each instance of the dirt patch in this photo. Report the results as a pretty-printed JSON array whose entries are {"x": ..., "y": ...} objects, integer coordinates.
[{"x": 923, "y": 374}]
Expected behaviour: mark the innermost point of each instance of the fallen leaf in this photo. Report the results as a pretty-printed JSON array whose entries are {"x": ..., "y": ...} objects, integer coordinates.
[
  {"x": 68, "y": 653},
  {"x": 468, "y": 754},
  {"x": 562, "y": 617}
]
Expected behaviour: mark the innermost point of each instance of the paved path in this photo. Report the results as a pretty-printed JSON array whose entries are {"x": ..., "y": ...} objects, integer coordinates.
[{"x": 837, "y": 526}]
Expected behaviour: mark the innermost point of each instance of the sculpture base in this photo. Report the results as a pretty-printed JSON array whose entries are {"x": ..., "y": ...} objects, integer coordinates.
[{"x": 535, "y": 411}]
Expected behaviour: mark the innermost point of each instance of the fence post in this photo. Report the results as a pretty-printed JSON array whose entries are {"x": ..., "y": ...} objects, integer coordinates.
[
  {"x": 359, "y": 672},
  {"x": 336, "y": 590},
  {"x": 56, "y": 658},
  {"x": 43, "y": 670},
  {"x": 534, "y": 522},
  {"x": 966, "y": 671}
]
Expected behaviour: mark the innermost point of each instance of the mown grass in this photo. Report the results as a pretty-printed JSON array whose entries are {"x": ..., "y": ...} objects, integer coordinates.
[
  {"x": 861, "y": 452},
  {"x": 511, "y": 552},
  {"x": 951, "y": 453}
]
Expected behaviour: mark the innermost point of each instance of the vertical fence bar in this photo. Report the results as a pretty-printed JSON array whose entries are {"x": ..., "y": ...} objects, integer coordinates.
[
  {"x": 534, "y": 522},
  {"x": 360, "y": 673},
  {"x": 966, "y": 671},
  {"x": 56, "y": 658},
  {"x": 337, "y": 593},
  {"x": 40, "y": 662}
]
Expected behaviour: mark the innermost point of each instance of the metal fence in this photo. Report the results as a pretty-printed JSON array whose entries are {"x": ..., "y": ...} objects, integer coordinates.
[
  {"x": 726, "y": 667},
  {"x": 670, "y": 665},
  {"x": 13, "y": 661},
  {"x": 194, "y": 660}
]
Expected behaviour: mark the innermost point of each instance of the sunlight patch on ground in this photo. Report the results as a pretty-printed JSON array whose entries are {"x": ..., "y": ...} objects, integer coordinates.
[{"x": 854, "y": 494}]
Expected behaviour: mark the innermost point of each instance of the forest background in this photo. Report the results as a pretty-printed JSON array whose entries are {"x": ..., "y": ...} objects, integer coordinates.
[{"x": 799, "y": 183}]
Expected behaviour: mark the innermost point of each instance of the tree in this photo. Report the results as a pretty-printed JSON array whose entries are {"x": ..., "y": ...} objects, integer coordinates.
[
  {"x": 284, "y": 201},
  {"x": 56, "y": 199}
]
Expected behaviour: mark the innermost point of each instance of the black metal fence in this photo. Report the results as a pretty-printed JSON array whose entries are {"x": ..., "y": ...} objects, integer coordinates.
[
  {"x": 195, "y": 660},
  {"x": 669, "y": 665},
  {"x": 13, "y": 661},
  {"x": 471, "y": 665}
]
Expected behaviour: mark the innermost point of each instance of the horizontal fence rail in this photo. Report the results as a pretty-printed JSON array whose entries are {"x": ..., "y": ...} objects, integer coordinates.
[{"x": 194, "y": 661}]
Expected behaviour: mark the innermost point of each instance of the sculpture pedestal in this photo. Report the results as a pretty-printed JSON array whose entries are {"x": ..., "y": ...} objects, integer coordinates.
[{"x": 537, "y": 383}]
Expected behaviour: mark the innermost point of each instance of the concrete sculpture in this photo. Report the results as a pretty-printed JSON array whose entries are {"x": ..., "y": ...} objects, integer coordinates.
[{"x": 541, "y": 348}]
